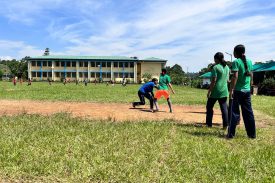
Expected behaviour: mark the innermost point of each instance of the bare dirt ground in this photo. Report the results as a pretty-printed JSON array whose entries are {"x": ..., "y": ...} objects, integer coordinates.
[{"x": 114, "y": 111}]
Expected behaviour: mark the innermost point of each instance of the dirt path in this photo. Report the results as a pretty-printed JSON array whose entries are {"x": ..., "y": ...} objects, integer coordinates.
[{"x": 107, "y": 111}]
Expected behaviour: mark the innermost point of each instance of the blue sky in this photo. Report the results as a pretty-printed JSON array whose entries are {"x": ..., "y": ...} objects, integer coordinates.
[{"x": 185, "y": 32}]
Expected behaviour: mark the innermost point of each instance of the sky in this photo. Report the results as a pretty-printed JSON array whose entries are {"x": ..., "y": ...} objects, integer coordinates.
[{"x": 183, "y": 32}]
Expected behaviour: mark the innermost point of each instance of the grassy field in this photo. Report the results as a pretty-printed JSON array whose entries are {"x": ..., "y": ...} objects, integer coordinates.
[
  {"x": 102, "y": 93},
  {"x": 60, "y": 148}
]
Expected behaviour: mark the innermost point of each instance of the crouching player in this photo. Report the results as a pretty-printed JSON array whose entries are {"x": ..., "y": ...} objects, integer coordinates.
[
  {"x": 146, "y": 91},
  {"x": 164, "y": 85}
]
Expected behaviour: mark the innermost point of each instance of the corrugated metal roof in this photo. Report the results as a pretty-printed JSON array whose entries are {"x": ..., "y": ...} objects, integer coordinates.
[
  {"x": 270, "y": 66},
  {"x": 83, "y": 57},
  {"x": 154, "y": 59},
  {"x": 206, "y": 75}
]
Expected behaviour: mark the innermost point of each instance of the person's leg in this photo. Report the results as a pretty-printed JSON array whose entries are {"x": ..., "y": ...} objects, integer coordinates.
[
  {"x": 169, "y": 104},
  {"x": 141, "y": 98},
  {"x": 156, "y": 104},
  {"x": 235, "y": 114},
  {"x": 209, "y": 111},
  {"x": 248, "y": 116},
  {"x": 150, "y": 98},
  {"x": 223, "y": 107}
]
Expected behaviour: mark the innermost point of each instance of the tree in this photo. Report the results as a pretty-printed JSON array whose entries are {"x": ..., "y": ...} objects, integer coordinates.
[
  {"x": 147, "y": 77},
  {"x": 177, "y": 75}
]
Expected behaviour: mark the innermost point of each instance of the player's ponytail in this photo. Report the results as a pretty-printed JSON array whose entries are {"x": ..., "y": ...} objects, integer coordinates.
[
  {"x": 220, "y": 58},
  {"x": 239, "y": 51}
]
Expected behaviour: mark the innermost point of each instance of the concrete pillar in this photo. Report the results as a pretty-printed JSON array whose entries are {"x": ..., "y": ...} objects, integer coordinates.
[
  {"x": 77, "y": 70},
  {"x": 89, "y": 71},
  {"x": 112, "y": 71},
  {"x": 53, "y": 65},
  {"x": 29, "y": 70},
  {"x": 135, "y": 72}
]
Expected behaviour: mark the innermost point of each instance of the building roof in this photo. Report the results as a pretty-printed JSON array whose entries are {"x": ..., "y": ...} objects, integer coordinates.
[
  {"x": 263, "y": 67},
  {"x": 206, "y": 75},
  {"x": 154, "y": 59},
  {"x": 67, "y": 57}
]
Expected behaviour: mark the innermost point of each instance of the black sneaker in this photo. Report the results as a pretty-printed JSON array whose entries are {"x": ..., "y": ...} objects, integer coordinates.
[{"x": 133, "y": 104}]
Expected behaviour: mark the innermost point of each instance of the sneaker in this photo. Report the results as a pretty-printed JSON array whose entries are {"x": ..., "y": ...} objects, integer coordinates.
[{"x": 133, "y": 104}]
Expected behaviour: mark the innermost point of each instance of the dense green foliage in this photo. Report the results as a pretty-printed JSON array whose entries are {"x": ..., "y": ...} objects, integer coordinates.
[
  {"x": 62, "y": 149},
  {"x": 17, "y": 68}
]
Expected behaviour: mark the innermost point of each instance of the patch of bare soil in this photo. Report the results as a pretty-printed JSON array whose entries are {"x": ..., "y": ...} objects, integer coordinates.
[{"x": 110, "y": 111}]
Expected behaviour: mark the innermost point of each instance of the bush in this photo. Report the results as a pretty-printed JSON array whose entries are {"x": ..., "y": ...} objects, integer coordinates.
[
  {"x": 146, "y": 77},
  {"x": 266, "y": 85}
]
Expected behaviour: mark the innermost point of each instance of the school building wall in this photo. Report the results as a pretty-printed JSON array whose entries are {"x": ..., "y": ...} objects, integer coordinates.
[{"x": 92, "y": 70}]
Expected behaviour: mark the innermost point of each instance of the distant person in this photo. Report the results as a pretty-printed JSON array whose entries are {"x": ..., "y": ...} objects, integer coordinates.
[
  {"x": 218, "y": 90},
  {"x": 49, "y": 81},
  {"x": 29, "y": 82},
  {"x": 240, "y": 92},
  {"x": 124, "y": 81},
  {"x": 14, "y": 80},
  {"x": 86, "y": 82},
  {"x": 76, "y": 81},
  {"x": 146, "y": 91},
  {"x": 164, "y": 85},
  {"x": 65, "y": 81},
  {"x": 95, "y": 81}
]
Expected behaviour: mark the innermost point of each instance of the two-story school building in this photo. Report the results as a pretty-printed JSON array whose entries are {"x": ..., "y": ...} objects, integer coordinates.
[{"x": 103, "y": 68}]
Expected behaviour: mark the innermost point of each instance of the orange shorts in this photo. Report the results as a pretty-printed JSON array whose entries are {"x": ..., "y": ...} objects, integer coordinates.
[{"x": 161, "y": 93}]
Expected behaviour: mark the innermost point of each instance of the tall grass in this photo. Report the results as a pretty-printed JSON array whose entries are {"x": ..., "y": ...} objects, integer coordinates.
[{"x": 60, "y": 148}]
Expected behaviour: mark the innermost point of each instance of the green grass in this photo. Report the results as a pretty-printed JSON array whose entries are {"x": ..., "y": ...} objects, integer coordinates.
[
  {"x": 119, "y": 94},
  {"x": 60, "y": 148}
]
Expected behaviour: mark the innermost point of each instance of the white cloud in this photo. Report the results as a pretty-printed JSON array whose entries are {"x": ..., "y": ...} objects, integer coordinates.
[{"x": 184, "y": 32}]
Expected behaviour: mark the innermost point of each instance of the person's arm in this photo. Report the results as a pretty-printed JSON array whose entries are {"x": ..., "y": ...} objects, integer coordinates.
[
  {"x": 212, "y": 85},
  {"x": 233, "y": 84},
  {"x": 171, "y": 88}
]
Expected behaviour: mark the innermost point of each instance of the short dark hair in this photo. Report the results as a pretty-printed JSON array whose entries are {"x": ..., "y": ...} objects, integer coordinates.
[
  {"x": 163, "y": 71},
  {"x": 154, "y": 79}
]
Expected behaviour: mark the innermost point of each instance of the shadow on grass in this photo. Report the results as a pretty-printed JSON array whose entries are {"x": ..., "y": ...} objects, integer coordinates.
[{"x": 202, "y": 130}]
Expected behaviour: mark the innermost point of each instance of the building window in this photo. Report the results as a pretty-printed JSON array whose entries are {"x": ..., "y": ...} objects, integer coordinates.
[
  {"x": 49, "y": 63},
  {"x": 108, "y": 64},
  {"x": 45, "y": 74},
  {"x": 49, "y": 74},
  {"x": 97, "y": 64},
  {"x": 57, "y": 64},
  {"x": 92, "y": 64},
  {"x": 73, "y": 75},
  {"x": 44, "y": 63},
  {"x": 120, "y": 64},
  {"x": 62, "y": 64},
  {"x": 38, "y": 63},
  {"x": 115, "y": 64},
  {"x": 73, "y": 64},
  {"x": 131, "y": 64},
  {"x": 69, "y": 74},
  {"x": 80, "y": 64},
  {"x": 85, "y": 64},
  {"x": 86, "y": 74},
  {"x": 57, "y": 74},
  {"x": 68, "y": 64},
  {"x": 34, "y": 74},
  {"x": 80, "y": 74},
  {"x": 104, "y": 75},
  {"x": 92, "y": 74},
  {"x": 108, "y": 75},
  {"x": 103, "y": 64},
  {"x": 34, "y": 63},
  {"x": 131, "y": 75}
]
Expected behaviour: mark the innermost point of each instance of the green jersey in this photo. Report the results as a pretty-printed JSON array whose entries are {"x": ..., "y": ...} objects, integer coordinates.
[
  {"x": 220, "y": 89},
  {"x": 164, "y": 80},
  {"x": 243, "y": 82}
]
